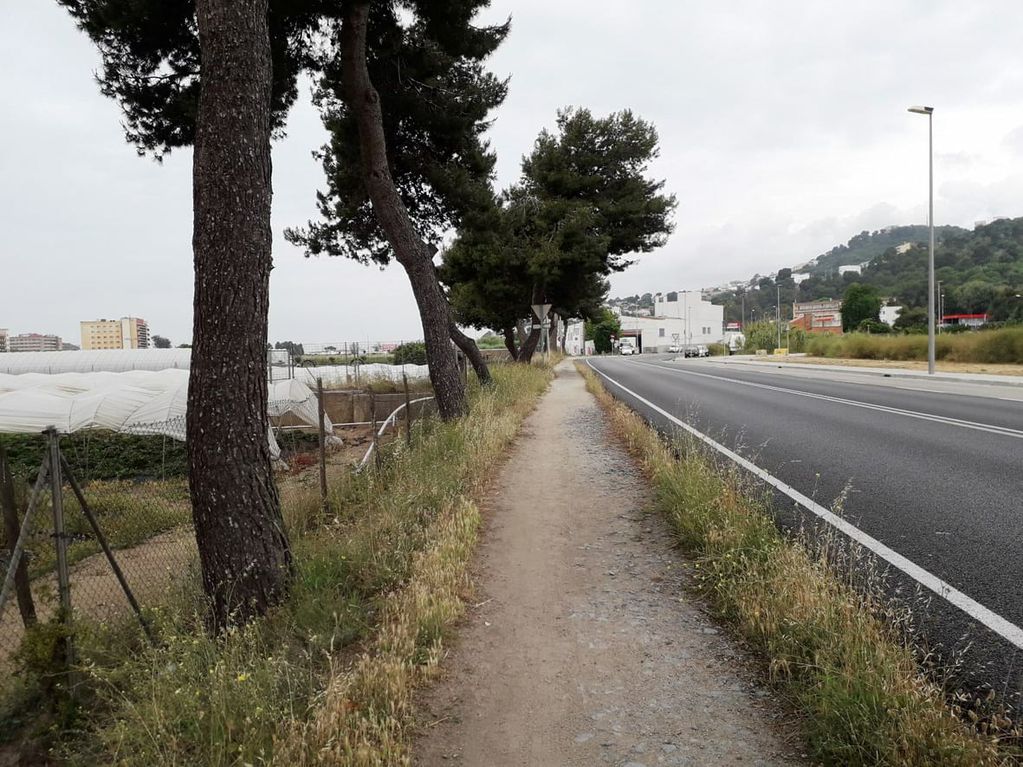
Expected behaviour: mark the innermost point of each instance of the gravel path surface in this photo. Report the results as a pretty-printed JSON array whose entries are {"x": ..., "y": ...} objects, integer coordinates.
[{"x": 584, "y": 647}]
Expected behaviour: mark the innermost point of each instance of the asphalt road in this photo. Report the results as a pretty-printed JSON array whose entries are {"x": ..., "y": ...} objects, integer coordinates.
[{"x": 933, "y": 471}]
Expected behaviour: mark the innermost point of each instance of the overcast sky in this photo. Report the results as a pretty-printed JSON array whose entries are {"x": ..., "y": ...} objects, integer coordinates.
[{"x": 783, "y": 131}]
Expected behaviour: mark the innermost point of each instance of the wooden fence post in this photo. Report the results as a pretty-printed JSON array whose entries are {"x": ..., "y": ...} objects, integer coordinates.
[{"x": 324, "y": 503}]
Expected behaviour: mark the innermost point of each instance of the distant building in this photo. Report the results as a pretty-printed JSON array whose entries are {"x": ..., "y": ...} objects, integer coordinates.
[
  {"x": 679, "y": 318},
  {"x": 3, "y": 340},
  {"x": 850, "y": 269},
  {"x": 903, "y": 248},
  {"x": 125, "y": 333},
  {"x": 818, "y": 316},
  {"x": 798, "y": 277},
  {"x": 963, "y": 320},
  {"x": 34, "y": 342},
  {"x": 889, "y": 314}
]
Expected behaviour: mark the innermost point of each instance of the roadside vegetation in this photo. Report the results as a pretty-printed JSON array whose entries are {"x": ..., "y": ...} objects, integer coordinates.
[
  {"x": 836, "y": 651},
  {"x": 327, "y": 676},
  {"x": 1004, "y": 345}
]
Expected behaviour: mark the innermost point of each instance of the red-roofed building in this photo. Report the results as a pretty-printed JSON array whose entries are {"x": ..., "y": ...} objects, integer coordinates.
[{"x": 964, "y": 320}]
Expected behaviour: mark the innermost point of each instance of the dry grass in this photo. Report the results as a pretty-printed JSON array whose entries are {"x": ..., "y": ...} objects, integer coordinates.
[
  {"x": 1003, "y": 346},
  {"x": 327, "y": 677},
  {"x": 826, "y": 643},
  {"x": 943, "y": 366}
]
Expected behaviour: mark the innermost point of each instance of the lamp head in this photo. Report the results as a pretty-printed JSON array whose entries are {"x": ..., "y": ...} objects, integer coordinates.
[{"x": 921, "y": 110}]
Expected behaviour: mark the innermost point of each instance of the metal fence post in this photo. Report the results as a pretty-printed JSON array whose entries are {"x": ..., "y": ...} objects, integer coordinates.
[
  {"x": 118, "y": 573},
  {"x": 324, "y": 503},
  {"x": 408, "y": 412},
  {"x": 60, "y": 541},
  {"x": 373, "y": 418}
]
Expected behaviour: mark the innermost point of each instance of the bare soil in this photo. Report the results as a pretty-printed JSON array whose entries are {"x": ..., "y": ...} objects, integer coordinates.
[
  {"x": 920, "y": 365},
  {"x": 584, "y": 646},
  {"x": 149, "y": 569}
]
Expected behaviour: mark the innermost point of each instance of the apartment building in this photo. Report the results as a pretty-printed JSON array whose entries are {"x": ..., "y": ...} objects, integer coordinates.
[
  {"x": 818, "y": 316},
  {"x": 125, "y": 333},
  {"x": 3, "y": 340},
  {"x": 34, "y": 342}
]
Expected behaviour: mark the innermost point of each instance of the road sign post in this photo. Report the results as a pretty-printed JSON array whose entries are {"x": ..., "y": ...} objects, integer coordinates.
[{"x": 541, "y": 311}]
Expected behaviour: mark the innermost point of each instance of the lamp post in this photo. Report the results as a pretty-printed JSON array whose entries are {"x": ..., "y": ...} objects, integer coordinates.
[
  {"x": 779, "y": 315},
  {"x": 941, "y": 312},
  {"x": 929, "y": 111}
]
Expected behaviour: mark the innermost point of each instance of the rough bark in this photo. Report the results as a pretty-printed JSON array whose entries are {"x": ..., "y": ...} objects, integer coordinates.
[
  {"x": 12, "y": 529},
  {"x": 528, "y": 347},
  {"x": 243, "y": 550},
  {"x": 564, "y": 336},
  {"x": 409, "y": 250},
  {"x": 509, "y": 343},
  {"x": 472, "y": 352}
]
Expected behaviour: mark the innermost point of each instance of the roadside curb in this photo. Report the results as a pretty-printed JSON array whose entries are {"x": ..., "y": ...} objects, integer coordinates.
[{"x": 974, "y": 378}]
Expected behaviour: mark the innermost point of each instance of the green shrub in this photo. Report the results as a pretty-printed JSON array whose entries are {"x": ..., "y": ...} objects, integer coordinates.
[
  {"x": 411, "y": 353},
  {"x": 101, "y": 455},
  {"x": 1004, "y": 345}
]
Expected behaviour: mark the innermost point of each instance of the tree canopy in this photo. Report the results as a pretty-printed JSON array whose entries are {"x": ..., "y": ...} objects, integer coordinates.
[
  {"x": 602, "y": 330},
  {"x": 861, "y": 303},
  {"x": 584, "y": 203}
]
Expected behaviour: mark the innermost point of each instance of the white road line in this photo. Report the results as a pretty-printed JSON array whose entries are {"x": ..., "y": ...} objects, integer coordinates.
[
  {"x": 1007, "y": 630},
  {"x": 1003, "y": 431}
]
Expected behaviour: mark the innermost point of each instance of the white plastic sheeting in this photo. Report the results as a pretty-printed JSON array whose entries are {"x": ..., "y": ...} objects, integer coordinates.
[
  {"x": 110, "y": 361},
  {"x": 136, "y": 402},
  {"x": 341, "y": 374},
  {"x": 126, "y": 360}
]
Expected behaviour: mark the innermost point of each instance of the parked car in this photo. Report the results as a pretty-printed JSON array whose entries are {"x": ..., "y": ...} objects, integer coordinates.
[
  {"x": 628, "y": 349},
  {"x": 675, "y": 349},
  {"x": 697, "y": 350}
]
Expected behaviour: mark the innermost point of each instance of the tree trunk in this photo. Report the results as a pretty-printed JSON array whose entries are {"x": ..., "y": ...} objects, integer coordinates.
[
  {"x": 243, "y": 549},
  {"x": 528, "y": 348},
  {"x": 520, "y": 329},
  {"x": 509, "y": 342},
  {"x": 472, "y": 352},
  {"x": 390, "y": 212},
  {"x": 12, "y": 529},
  {"x": 564, "y": 336}
]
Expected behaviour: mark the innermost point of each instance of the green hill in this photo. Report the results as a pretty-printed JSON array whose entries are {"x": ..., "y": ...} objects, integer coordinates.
[
  {"x": 980, "y": 271},
  {"x": 867, "y": 246}
]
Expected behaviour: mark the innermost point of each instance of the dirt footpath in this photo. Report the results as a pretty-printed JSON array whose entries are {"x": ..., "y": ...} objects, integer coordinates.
[{"x": 584, "y": 648}]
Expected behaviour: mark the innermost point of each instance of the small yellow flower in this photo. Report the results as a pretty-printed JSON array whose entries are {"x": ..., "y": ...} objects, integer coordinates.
[{"x": 242, "y": 677}]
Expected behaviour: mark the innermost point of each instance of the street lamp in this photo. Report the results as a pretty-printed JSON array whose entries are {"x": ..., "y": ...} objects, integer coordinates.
[
  {"x": 929, "y": 111},
  {"x": 779, "y": 315}
]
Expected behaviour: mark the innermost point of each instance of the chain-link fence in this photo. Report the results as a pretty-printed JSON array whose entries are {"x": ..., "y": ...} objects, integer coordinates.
[
  {"x": 109, "y": 526},
  {"x": 109, "y": 533}
]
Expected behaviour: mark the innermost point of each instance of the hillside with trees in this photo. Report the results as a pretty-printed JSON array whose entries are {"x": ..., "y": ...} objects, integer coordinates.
[
  {"x": 866, "y": 246},
  {"x": 980, "y": 271}
]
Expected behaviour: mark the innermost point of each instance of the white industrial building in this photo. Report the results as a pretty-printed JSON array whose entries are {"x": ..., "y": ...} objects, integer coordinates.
[{"x": 680, "y": 318}]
